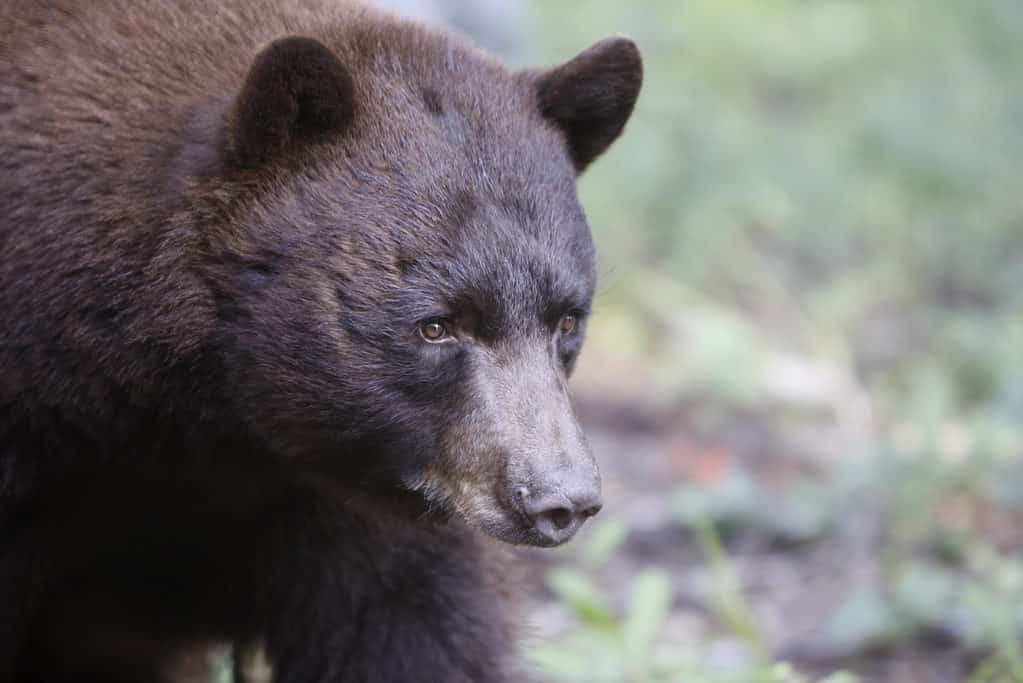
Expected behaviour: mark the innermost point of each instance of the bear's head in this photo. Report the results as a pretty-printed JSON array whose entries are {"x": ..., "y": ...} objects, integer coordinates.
[{"x": 402, "y": 273}]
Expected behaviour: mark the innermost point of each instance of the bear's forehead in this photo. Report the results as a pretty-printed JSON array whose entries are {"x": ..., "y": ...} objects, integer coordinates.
[
  {"x": 451, "y": 168},
  {"x": 430, "y": 102},
  {"x": 452, "y": 137},
  {"x": 439, "y": 214},
  {"x": 496, "y": 256}
]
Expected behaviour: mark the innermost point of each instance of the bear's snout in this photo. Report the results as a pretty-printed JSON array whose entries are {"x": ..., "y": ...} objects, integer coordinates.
[
  {"x": 518, "y": 466},
  {"x": 557, "y": 512}
]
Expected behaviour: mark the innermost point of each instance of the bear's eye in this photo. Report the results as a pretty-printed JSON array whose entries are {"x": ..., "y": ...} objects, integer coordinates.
[
  {"x": 568, "y": 324},
  {"x": 434, "y": 331}
]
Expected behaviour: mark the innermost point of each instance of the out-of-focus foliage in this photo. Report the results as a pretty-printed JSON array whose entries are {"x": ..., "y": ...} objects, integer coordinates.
[
  {"x": 638, "y": 648},
  {"x": 840, "y": 178},
  {"x": 816, "y": 218}
]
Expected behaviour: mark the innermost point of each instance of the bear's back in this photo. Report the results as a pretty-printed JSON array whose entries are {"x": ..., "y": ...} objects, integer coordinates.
[
  {"x": 107, "y": 108},
  {"x": 95, "y": 96}
]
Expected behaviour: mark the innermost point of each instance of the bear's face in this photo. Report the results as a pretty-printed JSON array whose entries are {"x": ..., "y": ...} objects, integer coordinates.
[{"x": 407, "y": 285}]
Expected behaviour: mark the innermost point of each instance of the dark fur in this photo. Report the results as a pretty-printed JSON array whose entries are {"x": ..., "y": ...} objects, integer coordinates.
[{"x": 219, "y": 226}]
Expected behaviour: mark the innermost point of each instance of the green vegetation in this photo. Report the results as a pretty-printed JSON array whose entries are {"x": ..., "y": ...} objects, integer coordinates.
[{"x": 815, "y": 225}]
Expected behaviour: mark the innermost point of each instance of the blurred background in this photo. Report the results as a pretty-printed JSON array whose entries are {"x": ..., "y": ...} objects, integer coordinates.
[{"x": 804, "y": 375}]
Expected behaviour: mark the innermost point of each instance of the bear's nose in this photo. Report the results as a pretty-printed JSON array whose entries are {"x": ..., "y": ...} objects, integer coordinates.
[{"x": 557, "y": 515}]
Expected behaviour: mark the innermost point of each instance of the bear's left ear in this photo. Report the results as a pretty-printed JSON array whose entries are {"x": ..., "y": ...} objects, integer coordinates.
[
  {"x": 592, "y": 96},
  {"x": 297, "y": 91}
]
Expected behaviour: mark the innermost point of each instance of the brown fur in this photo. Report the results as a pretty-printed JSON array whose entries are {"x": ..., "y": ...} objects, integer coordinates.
[{"x": 221, "y": 224}]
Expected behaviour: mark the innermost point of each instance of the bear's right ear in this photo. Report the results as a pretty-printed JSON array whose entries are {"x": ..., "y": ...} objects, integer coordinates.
[{"x": 296, "y": 92}]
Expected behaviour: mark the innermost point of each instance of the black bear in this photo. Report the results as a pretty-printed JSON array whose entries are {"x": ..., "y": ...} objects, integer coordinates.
[{"x": 289, "y": 293}]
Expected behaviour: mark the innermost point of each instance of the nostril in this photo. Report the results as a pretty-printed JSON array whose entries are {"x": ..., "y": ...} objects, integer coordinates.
[
  {"x": 557, "y": 514},
  {"x": 561, "y": 518}
]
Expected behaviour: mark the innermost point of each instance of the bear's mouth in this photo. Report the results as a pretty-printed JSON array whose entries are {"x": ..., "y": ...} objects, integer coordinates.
[
  {"x": 508, "y": 513},
  {"x": 506, "y": 519},
  {"x": 511, "y": 526},
  {"x": 524, "y": 532}
]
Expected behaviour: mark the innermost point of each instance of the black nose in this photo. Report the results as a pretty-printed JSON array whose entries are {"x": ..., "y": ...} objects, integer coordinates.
[{"x": 558, "y": 515}]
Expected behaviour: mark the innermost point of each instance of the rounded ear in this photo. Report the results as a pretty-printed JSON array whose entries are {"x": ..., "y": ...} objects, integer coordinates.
[
  {"x": 592, "y": 96},
  {"x": 296, "y": 92}
]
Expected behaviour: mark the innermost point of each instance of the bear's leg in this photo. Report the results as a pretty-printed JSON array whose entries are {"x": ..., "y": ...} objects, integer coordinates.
[
  {"x": 115, "y": 578},
  {"x": 20, "y": 574},
  {"x": 390, "y": 605},
  {"x": 79, "y": 641}
]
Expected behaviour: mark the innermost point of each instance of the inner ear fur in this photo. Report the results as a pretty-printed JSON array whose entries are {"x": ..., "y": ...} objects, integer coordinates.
[
  {"x": 296, "y": 92},
  {"x": 590, "y": 97}
]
